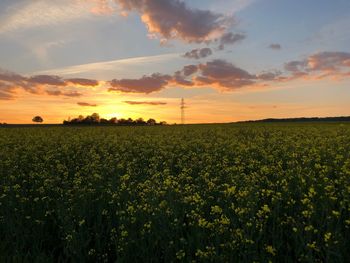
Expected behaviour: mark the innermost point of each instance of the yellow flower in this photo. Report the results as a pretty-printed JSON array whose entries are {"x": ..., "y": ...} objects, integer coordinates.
[
  {"x": 271, "y": 250},
  {"x": 180, "y": 254},
  {"x": 327, "y": 236},
  {"x": 266, "y": 209},
  {"x": 216, "y": 209},
  {"x": 335, "y": 213}
]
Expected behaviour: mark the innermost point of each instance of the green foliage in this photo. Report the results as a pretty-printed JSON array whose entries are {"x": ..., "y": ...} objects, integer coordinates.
[{"x": 200, "y": 193}]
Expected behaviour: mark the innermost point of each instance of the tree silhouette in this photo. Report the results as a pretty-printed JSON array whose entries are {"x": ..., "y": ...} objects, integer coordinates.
[
  {"x": 151, "y": 122},
  {"x": 37, "y": 119},
  {"x": 95, "y": 119}
]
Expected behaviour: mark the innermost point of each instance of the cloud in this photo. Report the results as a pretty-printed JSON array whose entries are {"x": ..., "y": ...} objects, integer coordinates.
[
  {"x": 180, "y": 79},
  {"x": 295, "y": 66},
  {"x": 14, "y": 80},
  {"x": 217, "y": 73},
  {"x": 63, "y": 93},
  {"x": 6, "y": 91},
  {"x": 328, "y": 61},
  {"x": 72, "y": 93},
  {"x": 230, "y": 39},
  {"x": 102, "y": 8},
  {"x": 6, "y": 96},
  {"x": 10, "y": 76},
  {"x": 83, "y": 82},
  {"x": 189, "y": 70},
  {"x": 146, "y": 84},
  {"x": 224, "y": 75},
  {"x": 86, "y": 104},
  {"x": 54, "y": 92},
  {"x": 145, "y": 102},
  {"x": 319, "y": 65},
  {"x": 33, "y": 14},
  {"x": 47, "y": 80},
  {"x": 269, "y": 76},
  {"x": 98, "y": 68},
  {"x": 174, "y": 19},
  {"x": 275, "y": 46},
  {"x": 41, "y": 84},
  {"x": 198, "y": 53}
]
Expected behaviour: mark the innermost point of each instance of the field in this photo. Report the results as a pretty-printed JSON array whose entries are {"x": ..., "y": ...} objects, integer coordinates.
[{"x": 200, "y": 193}]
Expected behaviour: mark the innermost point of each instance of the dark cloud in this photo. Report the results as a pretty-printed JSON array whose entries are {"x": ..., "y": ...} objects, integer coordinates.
[
  {"x": 180, "y": 77},
  {"x": 146, "y": 84},
  {"x": 328, "y": 61},
  {"x": 295, "y": 66},
  {"x": 47, "y": 80},
  {"x": 86, "y": 104},
  {"x": 15, "y": 80},
  {"x": 42, "y": 84},
  {"x": 222, "y": 75},
  {"x": 73, "y": 93},
  {"x": 10, "y": 76},
  {"x": 145, "y": 102},
  {"x": 189, "y": 70},
  {"x": 83, "y": 82},
  {"x": 217, "y": 73},
  {"x": 269, "y": 76},
  {"x": 322, "y": 64},
  {"x": 275, "y": 46},
  {"x": 57, "y": 92},
  {"x": 220, "y": 69},
  {"x": 174, "y": 19},
  {"x": 230, "y": 39},
  {"x": 54, "y": 92},
  {"x": 198, "y": 53}
]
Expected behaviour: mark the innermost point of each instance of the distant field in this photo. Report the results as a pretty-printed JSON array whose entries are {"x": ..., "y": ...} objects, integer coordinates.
[{"x": 201, "y": 193}]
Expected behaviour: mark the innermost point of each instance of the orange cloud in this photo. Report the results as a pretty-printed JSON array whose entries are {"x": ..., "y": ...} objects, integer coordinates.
[{"x": 145, "y": 102}]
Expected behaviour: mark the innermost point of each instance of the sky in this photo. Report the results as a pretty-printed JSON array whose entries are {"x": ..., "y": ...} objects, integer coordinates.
[{"x": 231, "y": 60}]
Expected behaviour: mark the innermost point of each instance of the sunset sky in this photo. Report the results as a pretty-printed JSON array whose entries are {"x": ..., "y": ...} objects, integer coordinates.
[{"x": 230, "y": 60}]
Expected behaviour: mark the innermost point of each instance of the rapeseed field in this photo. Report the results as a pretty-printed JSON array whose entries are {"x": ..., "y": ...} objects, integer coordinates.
[{"x": 193, "y": 193}]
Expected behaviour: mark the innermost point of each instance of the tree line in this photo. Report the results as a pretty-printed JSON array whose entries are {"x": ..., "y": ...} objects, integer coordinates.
[
  {"x": 304, "y": 119},
  {"x": 95, "y": 119}
]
